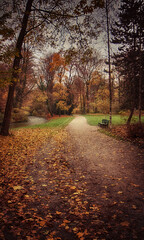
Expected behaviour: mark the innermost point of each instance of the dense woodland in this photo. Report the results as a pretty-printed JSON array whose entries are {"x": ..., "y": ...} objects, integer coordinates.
[{"x": 72, "y": 77}]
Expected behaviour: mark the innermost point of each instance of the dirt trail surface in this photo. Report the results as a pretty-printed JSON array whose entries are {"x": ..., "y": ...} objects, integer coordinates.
[
  {"x": 114, "y": 172},
  {"x": 81, "y": 184}
]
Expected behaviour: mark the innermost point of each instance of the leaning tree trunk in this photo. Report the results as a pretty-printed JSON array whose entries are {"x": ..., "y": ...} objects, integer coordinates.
[
  {"x": 130, "y": 116},
  {"x": 15, "y": 75}
]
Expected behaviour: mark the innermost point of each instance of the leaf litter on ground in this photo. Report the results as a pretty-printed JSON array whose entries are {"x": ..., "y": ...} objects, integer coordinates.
[{"x": 42, "y": 197}]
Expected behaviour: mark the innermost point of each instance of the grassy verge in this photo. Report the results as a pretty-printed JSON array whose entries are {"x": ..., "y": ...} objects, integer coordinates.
[
  {"x": 116, "y": 119},
  {"x": 53, "y": 123},
  {"x": 110, "y": 134},
  {"x": 134, "y": 133}
]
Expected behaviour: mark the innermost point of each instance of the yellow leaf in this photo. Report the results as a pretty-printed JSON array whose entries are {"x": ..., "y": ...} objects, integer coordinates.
[
  {"x": 17, "y": 188},
  {"x": 120, "y": 192},
  {"x": 87, "y": 213},
  {"x": 66, "y": 227},
  {"x": 73, "y": 187},
  {"x": 75, "y": 229},
  {"x": 44, "y": 185},
  {"x": 27, "y": 196}
]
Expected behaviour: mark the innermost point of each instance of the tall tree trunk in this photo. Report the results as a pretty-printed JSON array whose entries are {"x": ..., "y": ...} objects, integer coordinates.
[
  {"x": 140, "y": 67},
  {"x": 15, "y": 75},
  {"x": 140, "y": 88},
  {"x": 87, "y": 96},
  {"x": 84, "y": 104},
  {"x": 19, "y": 90},
  {"x": 81, "y": 104},
  {"x": 109, "y": 64},
  {"x": 133, "y": 96},
  {"x": 119, "y": 91}
]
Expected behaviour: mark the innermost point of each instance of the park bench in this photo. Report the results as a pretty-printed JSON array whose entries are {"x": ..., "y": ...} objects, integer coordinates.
[{"x": 104, "y": 123}]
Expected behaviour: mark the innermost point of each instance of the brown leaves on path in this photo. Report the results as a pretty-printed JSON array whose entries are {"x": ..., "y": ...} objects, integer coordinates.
[
  {"x": 17, "y": 150},
  {"x": 43, "y": 197},
  {"x": 39, "y": 196}
]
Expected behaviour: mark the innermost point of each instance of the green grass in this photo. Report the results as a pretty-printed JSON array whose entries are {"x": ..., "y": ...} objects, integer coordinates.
[
  {"x": 54, "y": 123},
  {"x": 61, "y": 122},
  {"x": 116, "y": 119}
]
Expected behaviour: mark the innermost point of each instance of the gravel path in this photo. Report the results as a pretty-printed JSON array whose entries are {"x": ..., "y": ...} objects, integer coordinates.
[
  {"x": 80, "y": 185},
  {"x": 103, "y": 153},
  {"x": 114, "y": 175}
]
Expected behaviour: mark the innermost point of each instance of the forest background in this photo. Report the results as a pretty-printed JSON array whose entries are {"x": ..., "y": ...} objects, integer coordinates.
[{"x": 53, "y": 58}]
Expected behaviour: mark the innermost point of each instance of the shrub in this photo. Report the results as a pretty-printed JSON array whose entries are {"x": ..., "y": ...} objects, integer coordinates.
[
  {"x": 136, "y": 130},
  {"x": 18, "y": 115},
  {"x": 38, "y": 107},
  {"x": 27, "y": 109}
]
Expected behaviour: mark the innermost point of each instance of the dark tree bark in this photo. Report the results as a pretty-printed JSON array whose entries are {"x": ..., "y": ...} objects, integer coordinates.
[
  {"x": 87, "y": 96},
  {"x": 20, "y": 88},
  {"x": 128, "y": 32},
  {"x": 15, "y": 75},
  {"x": 109, "y": 64},
  {"x": 140, "y": 64},
  {"x": 130, "y": 116}
]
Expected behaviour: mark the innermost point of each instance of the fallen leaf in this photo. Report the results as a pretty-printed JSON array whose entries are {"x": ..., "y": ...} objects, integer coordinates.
[
  {"x": 134, "y": 207},
  {"x": 42, "y": 223},
  {"x": 17, "y": 187},
  {"x": 57, "y": 212},
  {"x": 44, "y": 185},
  {"x": 27, "y": 196},
  {"x": 75, "y": 229},
  {"x": 66, "y": 227},
  {"x": 135, "y": 185},
  {"x": 80, "y": 234},
  {"x": 124, "y": 224},
  {"x": 73, "y": 187},
  {"x": 120, "y": 192}
]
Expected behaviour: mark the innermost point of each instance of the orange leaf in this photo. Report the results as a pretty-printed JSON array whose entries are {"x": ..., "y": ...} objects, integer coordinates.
[
  {"x": 80, "y": 234},
  {"x": 124, "y": 224},
  {"x": 42, "y": 223}
]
